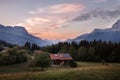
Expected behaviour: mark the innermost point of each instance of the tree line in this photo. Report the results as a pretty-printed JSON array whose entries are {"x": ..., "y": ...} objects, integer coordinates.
[
  {"x": 13, "y": 55},
  {"x": 88, "y": 50}
]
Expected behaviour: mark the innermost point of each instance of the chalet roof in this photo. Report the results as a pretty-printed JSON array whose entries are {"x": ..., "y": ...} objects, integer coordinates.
[{"x": 61, "y": 57}]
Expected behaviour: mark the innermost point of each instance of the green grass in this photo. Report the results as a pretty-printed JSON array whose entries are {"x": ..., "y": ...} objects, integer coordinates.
[{"x": 85, "y": 71}]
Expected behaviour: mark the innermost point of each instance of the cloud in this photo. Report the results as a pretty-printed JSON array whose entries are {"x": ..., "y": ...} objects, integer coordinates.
[
  {"x": 54, "y": 16},
  {"x": 59, "y": 9},
  {"x": 51, "y": 22},
  {"x": 98, "y": 1},
  {"x": 99, "y": 13},
  {"x": 36, "y": 20},
  {"x": 47, "y": 21},
  {"x": 36, "y": 33}
]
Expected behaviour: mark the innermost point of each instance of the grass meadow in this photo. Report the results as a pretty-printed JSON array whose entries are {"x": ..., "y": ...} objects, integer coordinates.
[{"x": 84, "y": 71}]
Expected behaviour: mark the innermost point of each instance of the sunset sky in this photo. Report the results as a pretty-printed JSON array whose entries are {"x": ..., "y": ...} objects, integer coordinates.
[{"x": 59, "y": 19}]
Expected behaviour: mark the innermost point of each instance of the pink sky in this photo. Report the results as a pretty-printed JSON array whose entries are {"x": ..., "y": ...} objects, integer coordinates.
[
  {"x": 47, "y": 23},
  {"x": 59, "y": 19}
]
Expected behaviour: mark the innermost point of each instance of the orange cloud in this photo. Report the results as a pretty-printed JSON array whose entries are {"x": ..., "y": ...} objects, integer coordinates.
[
  {"x": 54, "y": 35},
  {"x": 51, "y": 18},
  {"x": 36, "y": 20}
]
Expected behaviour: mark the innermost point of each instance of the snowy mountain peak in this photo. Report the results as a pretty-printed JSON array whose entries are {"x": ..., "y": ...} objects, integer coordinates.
[
  {"x": 116, "y": 25},
  {"x": 109, "y": 34},
  {"x": 20, "y": 29},
  {"x": 97, "y": 30},
  {"x": 19, "y": 35}
]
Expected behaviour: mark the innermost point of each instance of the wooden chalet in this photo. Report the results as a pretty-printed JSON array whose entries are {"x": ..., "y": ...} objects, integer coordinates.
[{"x": 57, "y": 59}]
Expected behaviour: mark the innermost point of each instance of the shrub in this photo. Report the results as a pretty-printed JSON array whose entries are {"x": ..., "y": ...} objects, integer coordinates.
[
  {"x": 13, "y": 56},
  {"x": 41, "y": 60},
  {"x": 73, "y": 64}
]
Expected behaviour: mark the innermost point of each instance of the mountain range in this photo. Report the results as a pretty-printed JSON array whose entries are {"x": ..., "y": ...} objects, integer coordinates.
[
  {"x": 19, "y": 35},
  {"x": 108, "y": 34}
]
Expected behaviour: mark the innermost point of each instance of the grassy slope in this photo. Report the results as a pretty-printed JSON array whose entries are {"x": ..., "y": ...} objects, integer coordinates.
[{"x": 85, "y": 71}]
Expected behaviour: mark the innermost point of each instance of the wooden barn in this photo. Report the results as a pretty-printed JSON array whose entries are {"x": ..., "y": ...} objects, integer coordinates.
[{"x": 57, "y": 59}]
